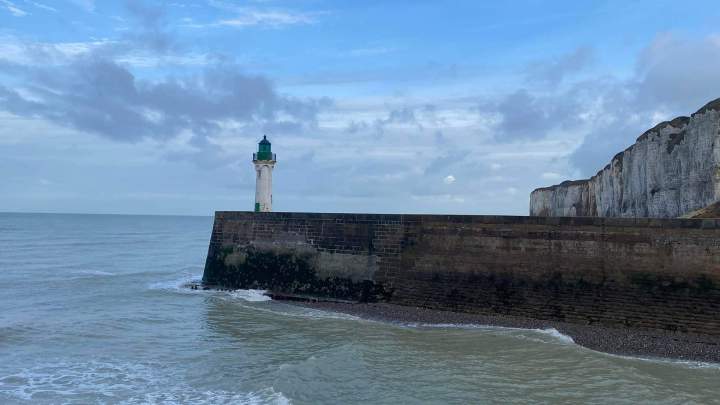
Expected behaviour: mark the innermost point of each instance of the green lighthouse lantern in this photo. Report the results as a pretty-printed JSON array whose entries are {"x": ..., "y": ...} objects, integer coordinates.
[{"x": 264, "y": 150}]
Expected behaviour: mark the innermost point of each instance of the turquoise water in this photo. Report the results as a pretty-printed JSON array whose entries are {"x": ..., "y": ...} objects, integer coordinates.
[{"x": 93, "y": 310}]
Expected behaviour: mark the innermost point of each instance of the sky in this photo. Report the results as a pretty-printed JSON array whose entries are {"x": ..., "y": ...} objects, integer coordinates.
[{"x": 454, "y": 107}]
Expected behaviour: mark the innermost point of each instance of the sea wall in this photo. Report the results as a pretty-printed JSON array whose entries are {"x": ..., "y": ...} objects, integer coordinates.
[
  {"x": 670, "y": 170},
  {"x": 644, "y": 273}
]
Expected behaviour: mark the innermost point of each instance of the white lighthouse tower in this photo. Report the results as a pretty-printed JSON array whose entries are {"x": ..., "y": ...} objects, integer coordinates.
[{"x": 264, "y": 161}]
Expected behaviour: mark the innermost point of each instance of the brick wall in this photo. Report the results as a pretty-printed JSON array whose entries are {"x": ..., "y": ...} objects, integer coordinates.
[{"x": 654, "y": 273}]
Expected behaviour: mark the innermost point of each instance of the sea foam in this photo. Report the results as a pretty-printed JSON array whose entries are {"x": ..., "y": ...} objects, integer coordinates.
[
  {"x": 184, "y": 284},
  {"x": 250, "y": 295},
  {"x": 119, "y": 382},
  {"x": 557, "y": 335}
]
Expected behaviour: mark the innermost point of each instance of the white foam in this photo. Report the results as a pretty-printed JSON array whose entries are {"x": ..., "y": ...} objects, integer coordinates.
[
  {"x": 660, "y": 360},
  {"x": 321, "y": 314},
  {"x": 250, "y": 295},
  {"x": 552, "y": 332},
  {"x": 450, "y": 325},
  {"x": 294, "y": 311},
  {"x": 268, "y": 396},
  {"x": 180, "y": 284},
  {"x": 693, "y": 364},
  {"x": 557, "y": 335},
  {"x": 183, "y": 285},
  {"x": 94, "y": 273},
  {"x": 120, "y": 383}
]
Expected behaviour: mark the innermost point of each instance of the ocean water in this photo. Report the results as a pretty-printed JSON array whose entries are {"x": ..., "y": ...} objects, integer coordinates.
[{"x": 93, "y": 310}]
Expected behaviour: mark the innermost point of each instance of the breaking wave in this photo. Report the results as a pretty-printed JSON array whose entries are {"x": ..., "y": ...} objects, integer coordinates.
[
  {"x": 185, "y": 283},
  {"x": 551, "y": 332},
  {"x": 557, "y": 335}
]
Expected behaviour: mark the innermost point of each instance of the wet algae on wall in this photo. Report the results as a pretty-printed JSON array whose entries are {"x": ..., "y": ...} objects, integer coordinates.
[
  {"x": 287, "y": 271},
  {"x": 296, "y": 260}
]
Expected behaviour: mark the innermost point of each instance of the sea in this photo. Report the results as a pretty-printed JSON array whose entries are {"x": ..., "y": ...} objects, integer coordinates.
[{"x": 95, "y": 309}]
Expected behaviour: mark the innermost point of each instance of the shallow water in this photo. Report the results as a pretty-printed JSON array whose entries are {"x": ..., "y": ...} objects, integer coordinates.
[{"x": 93, "y": 310}]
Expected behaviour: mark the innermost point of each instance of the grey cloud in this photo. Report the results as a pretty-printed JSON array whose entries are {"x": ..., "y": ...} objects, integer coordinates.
[
  {"x": 617, "y": 120},
  {"x": 446, "y": 161},
  {"x": 149, "y": 15},
  {"x": 604, "y": 111},
  {"x": 602, "y": 143},
  {"x": 678, "y": 74},
  {"x": 401, "y": 116},
  {"x": 94, "y": 93},
  {"x": 674, "y": 77},
  {"x": 104, "y": 98},
  {"x": 523, "y": 116},
  {"x": 13, "y": 102},
  {"x": 526, "y": 116},
  {"x": 554, "y": 71},
  {"x": 355, "y": 127},
  {"x": 406, "y": 115},
  {"x": 151, "y": 30}
]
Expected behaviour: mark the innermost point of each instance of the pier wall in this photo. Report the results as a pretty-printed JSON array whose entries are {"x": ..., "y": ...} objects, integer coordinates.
[{"x": 641, "y": 273}]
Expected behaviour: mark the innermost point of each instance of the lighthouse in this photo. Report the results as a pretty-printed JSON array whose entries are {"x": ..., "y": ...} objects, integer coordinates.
[{"x": 264, "y": 161}]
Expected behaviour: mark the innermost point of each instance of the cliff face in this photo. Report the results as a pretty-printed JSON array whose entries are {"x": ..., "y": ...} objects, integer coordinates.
[{"x": 671, "y": 169}]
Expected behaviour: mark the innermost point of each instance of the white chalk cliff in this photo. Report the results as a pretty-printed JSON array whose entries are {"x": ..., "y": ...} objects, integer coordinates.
[{"x": 671, "y": 170}]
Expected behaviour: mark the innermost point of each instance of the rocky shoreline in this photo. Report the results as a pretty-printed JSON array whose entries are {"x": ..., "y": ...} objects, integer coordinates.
[{"x": 631, "y": 342}]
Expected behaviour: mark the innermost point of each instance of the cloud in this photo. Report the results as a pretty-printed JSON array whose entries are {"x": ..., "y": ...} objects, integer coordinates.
[
  {"x": 26, "y": 53},
  {"x": 434, "y": 151},
  {"x": 102, "y": 97},
  {"x": 555, "y": 70},
  {"x": 12, "y": 8},
  {"x": 87, "y": 5},
  {"x": 601, "y": 113},
  {"x": 150, "y": 29},
  {"x": 255, "y": 16},
  {"x": 403, "y": 116},
  {"x": 23, "y": 52},
  {"x": 534, "y": 114},
  {"x": 91, "y": 88},
  {"x": 674, "y": 76},
  {"x": 41, "y": 6},
  {"x": 524, "y": 115},
  {"x": 268, "y": 18},
  {"x": 551, "y": 176},
  {"x": 678, "y": 74},
  {"x": 147, "y": 44}
]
